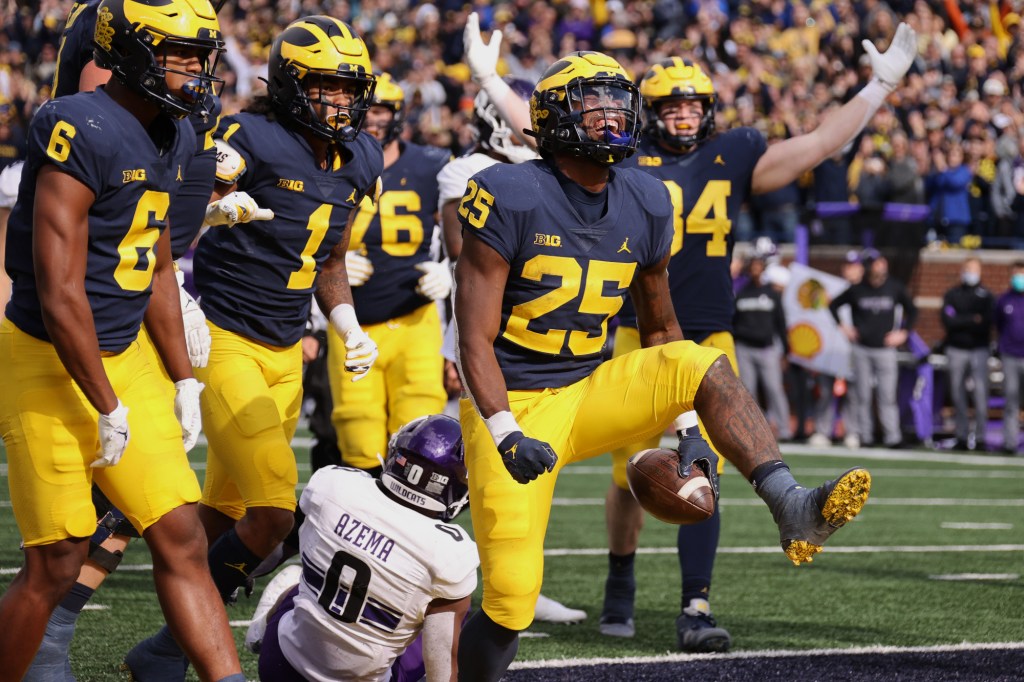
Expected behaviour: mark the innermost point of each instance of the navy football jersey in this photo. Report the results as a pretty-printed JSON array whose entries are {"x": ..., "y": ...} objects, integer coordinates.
[
  {"x": 395, "y": 234},
  {"x": 566, "y": 278},
  {"x": 76, "y": 47},
  {"x": 188, "y": 210},
  {"x": 257, "y": 279},
  {"x": 708, "y": 186},
  {"x": 95, "y": 140}
]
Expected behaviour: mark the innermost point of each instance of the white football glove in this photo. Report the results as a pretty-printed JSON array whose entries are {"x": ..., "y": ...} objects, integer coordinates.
[
  {"x": 436, "y": 282},
  {"x": 197, "y": 334},
  {"x": 482, "y": 57},
  {"x": 890, "y": 67},
  {"x": 237, "y": 207},
  {"x": 114, "y": 436},
  {"x": 359, "y": 268},
  {"x": 362, "y": 353},
  {"x": 187, "y": 410}
]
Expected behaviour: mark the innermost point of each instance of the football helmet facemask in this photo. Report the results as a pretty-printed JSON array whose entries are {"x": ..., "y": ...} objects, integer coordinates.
[
  {"x": 491, "y": 130},
  {"x": 303, "y": 56},
  {"x": 425, "y": 467},
  {"x": 671, "y": 80},
  {"x": 132, "y": 38},
  {"x": 586, "y": 105},
  {"x": 388, "y": 93}
]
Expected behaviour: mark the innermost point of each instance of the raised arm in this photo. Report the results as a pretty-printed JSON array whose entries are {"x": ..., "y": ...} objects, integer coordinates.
[
  {"x": 442, "y": 626},
  {"x": 483, "y": 65},
  {"x": 784, "y": 162}
]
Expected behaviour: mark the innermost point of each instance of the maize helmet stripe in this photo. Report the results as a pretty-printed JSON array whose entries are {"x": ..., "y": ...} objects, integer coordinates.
[
  {"x": 308, "y": 53},
  {"x": 173, "y": 19},
  {"x": 673, "y": 79}
]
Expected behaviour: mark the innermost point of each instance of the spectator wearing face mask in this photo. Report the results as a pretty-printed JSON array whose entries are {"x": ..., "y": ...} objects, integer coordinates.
[
  {"x": 1009, "y": 319},
  {"x": 967, "y": 318}
]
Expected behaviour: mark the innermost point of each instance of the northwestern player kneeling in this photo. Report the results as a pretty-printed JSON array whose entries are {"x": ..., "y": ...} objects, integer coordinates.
[{"x": 380, "y": 566}]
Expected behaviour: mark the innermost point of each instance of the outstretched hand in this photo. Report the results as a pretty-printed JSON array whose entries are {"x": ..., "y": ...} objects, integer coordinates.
[
  {"x": 482, "y": 57},
  {"x": 890, "y": 67}
]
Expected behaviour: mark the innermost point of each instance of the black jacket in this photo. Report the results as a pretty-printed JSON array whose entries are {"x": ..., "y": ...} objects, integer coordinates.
[
  {"x": 874, "y": 310},
  {"x": 967, "y": 316}
]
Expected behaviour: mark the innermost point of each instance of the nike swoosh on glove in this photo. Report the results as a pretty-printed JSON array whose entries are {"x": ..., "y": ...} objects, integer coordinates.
[
  {"x": 188, "y": 411},
  {"x": 114, "y": 437},
  {"x": 694, "y": 451},
  {"x": 526, "y": 458}
]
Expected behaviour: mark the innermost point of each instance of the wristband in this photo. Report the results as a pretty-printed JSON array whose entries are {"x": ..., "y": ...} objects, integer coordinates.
[
  {"x": 685, "y": 421},
  {"x": 343, "y": 319},
  {"x": 875, "y": 93},
  {"x": 500, "y": 425}
]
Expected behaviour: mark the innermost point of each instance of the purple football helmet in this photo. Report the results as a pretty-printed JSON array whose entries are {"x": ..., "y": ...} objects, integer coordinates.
[{"x": 426, "y": 466}]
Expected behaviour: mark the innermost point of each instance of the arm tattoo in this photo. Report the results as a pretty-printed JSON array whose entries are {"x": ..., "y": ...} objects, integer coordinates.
[{"x": 733, "y": 420}]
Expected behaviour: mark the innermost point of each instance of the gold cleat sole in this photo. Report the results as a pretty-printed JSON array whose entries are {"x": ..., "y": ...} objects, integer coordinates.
[{"x": 847, "y": 498}]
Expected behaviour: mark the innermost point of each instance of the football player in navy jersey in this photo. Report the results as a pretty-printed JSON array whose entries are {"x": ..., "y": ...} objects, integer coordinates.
[
  {"x": 709, "y": 177},
  {"x": 298, "y": 152},
  {"x": 395, "y": 283},
  {"x": 550, "y": 249},
  {"x": 77, "y": 71},
  {"x": 89, "y": 253}
]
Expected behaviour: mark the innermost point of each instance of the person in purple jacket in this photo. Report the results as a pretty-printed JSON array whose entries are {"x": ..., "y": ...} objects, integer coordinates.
[{"x": 1009, "y": 319}]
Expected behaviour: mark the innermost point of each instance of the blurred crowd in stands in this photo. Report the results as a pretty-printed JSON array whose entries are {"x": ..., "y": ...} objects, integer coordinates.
[{"x": 951, "y": 140}]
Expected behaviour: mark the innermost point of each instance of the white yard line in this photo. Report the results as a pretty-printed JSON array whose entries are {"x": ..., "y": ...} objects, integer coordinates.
[
  {"x": 975, "y": 576},
  {"x": 770, "y": 549},
  {"x": 769, "y": 653},
  {"x": 959, "y": 525}
]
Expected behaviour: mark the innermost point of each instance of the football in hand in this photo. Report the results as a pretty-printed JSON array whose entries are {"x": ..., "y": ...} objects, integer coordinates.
[{"x": 655, "y": 482}]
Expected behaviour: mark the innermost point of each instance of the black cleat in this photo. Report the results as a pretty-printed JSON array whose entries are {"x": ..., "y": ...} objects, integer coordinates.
[{"x": 697, "y": 632}]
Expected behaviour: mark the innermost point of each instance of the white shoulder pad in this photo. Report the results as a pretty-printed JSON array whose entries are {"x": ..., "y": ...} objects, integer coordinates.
[
  {"x": 230, "y": 164},
  {"x": 10, "y": 178}
]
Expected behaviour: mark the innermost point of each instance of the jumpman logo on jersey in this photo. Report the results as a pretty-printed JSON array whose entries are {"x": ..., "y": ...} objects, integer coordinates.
[
  {"x": 624, "y": 247},
  {"x": 352, "y": 197},
  {"x": 238, "y": 567},
  {"x": 179, "y": 173},
  {"x": 719, "y": 161}
]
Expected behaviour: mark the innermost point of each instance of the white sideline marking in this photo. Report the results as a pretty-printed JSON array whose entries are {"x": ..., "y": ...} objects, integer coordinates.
[
  {"x": 874, "y": 501},
  {"x": 774, "y": 549},
  {"x": 975, "y": 576},
  {"x": 95, "y": 607},
  {"x": 239, "y": 623},
  {"x": 957, "y": 525},
  {"x": 534, "y": 635},
  {"x": 770, "y": 653}
]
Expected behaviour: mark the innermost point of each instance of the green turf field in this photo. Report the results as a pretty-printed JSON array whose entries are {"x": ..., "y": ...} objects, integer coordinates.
[{"x": 877, "y": 583}]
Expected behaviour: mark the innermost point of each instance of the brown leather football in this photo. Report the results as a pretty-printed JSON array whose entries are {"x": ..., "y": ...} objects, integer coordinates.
[{"x": 655, "y": 482}]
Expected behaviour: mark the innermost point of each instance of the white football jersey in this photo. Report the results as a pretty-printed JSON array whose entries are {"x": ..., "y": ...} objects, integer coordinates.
[
  {"x": 451, "y": 180},
  {"x": 370, "y": 568}
]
